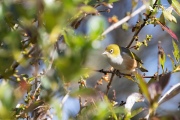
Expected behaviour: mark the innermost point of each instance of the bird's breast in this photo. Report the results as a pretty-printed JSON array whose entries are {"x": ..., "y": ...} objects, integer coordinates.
[
  {"x": 122, "y": 65},
  {"x": 116, "y": 62}
]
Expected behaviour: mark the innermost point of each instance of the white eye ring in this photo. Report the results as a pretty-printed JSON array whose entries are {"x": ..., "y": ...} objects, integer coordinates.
[{"x": 111, "y": 51}]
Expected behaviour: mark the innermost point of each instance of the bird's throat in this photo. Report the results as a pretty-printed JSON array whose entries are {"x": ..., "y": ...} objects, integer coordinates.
[{"x": 115, "y": 61}]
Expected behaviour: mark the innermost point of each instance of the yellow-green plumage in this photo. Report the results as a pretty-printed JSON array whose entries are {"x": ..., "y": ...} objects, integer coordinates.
[
  {"x": 120, "y": 60},
  {"x": 115, "y": 48}
]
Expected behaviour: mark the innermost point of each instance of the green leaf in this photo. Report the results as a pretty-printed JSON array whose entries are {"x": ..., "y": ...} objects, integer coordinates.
[
  {"x": 137, "y": 111},
  {"x": 143, "y": 86},
  {"x": 130, "y": 78},
  {"x": 177, "y": 69},
  {"x": 70, "y": 66},
  {"x": 134, "y": 4},
  {"x": 88, "y": 9},
  {"x": 162, "y": 57},
  {"x": 7, "y": 100},
  {"x": 176, "y": 52},
  {"x": 83, "y": 92},
  {"x": 109, "y": 1},
  {"x": 95, "y": 27},
  {"x": 175, "y": 4},
  {"x": 167, "y": 15},
  {"x": 105, "y": 109},
  {"x": 162, "y": 19},
  {"x": 153, "y": 1},
  {"x": 111, "y": 109}
]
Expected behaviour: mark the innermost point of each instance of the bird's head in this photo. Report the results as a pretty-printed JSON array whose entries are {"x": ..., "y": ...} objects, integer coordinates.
[{"x": 112, "y": 50}]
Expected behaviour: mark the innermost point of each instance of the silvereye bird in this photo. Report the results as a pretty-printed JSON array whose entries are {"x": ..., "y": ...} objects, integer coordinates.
[{"x": 121, "y": 59}]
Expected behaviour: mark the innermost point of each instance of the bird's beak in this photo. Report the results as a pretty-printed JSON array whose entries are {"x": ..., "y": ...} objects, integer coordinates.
[{"x": 105, "y": 53}]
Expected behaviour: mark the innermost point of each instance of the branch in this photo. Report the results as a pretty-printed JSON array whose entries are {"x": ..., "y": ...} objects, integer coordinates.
[
  {"x": 104, "y": 71},
  {"x": 81, "y": 105},
  {"x": 109, "y": 84},
  {"x": 142, "y": 25},
  {"x": 122, "y": 74},
  {"x": 36, "y": 90},
  {"x": 115, "y": 72},
  {"x": 114, "y": 26}
]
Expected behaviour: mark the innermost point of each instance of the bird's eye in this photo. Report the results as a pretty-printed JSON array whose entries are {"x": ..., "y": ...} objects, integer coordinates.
[{"x": 111, "y": 51}]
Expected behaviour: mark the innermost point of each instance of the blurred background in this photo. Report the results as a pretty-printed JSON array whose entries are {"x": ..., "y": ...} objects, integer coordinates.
[{"x": 51, "y": 68}]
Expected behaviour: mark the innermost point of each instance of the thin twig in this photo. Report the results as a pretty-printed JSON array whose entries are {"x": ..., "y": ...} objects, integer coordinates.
[
  {"x": 114, "y": 26},
  {"x": 82, "y": 105},
  {"x": 142, "y": 25},
  {"x": 104, "y": 71},
  {"x": 35, "y": 74},
  {"x": 149, "y": 76},
  {"x": 39, "y": 85},
  {"x": 109, "y": 84},
  {"x": 114, "y": 95},
  {"x": 159, "y": 57},
  {"x": 115, "y": 72}
]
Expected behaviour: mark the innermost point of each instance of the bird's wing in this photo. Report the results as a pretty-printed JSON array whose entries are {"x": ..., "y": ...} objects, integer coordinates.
[
  {"x": 129, "y": 62},
  {"x": 131, "y": 54}
]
